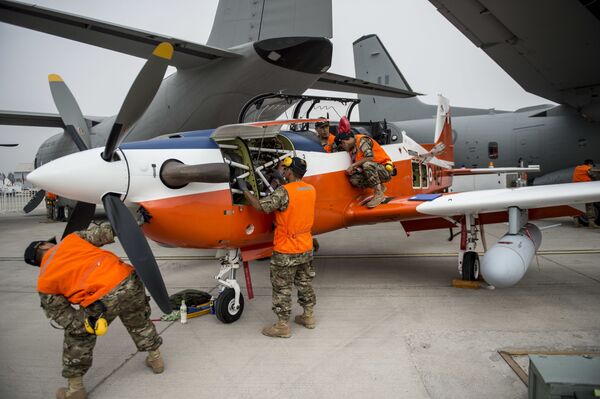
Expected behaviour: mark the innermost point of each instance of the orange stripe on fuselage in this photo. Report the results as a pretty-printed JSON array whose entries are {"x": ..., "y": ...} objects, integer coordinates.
[{"x": 209, "y": 220}]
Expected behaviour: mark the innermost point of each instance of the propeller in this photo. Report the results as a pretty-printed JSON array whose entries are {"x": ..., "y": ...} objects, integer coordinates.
[
  {"x": 35, "y": 201},
  {"x": 8, "y": 145},
  {"x": 137, "y": 249},
  {"x": 132, "y": 239}
]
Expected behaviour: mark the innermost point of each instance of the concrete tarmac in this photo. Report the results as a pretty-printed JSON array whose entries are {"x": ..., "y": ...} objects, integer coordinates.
[{"x": 389, "y": 324}]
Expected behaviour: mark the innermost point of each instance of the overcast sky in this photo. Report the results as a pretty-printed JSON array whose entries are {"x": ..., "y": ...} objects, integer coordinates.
[{"x": 433, "y": 56}]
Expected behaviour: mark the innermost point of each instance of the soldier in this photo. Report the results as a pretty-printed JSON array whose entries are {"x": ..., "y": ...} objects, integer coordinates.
[
  {"x": 291, "y": 262},
  {"x": 369, "y": 162},
  {"x": 583, "y": 173},
  {"x": 76, "y": 272},
  {"x": 327, "y": 139}
]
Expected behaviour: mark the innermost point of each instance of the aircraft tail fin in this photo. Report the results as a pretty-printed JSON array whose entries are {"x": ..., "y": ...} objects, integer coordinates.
[
  {"x": 443, "y": 146},
  {"x": 238, "y": 22},
  {"x": 373, "y": 63}
]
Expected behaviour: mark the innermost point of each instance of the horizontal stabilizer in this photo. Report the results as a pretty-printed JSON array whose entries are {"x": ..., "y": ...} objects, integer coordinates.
[
  {"x": 490, "y": 171},
  {"x": 137, "y": 43},
  {"x": 346, "y": 84}
]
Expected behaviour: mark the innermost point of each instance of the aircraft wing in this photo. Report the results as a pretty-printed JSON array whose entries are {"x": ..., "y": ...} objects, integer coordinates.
[
  {"x": 490, "y": 205},
  {"x": 550, "y": 48},
  {"x": 114, "y": 37},
  {"x": 15, "y": 118},
  {"x": 346, "y": 84}
]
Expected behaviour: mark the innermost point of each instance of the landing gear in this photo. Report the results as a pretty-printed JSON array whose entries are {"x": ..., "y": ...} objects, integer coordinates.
[
  {"x": 468, "y": 259},
  {"x": 229, "y": 304},
  {"x": 225, "y": 306},
  {"x": 470, "y": 266}
]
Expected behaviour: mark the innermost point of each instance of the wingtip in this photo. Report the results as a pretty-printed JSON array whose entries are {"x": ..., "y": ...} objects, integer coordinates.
[
  {"x": 164, "y": 50},
  {"x": 54, "y": 78}
]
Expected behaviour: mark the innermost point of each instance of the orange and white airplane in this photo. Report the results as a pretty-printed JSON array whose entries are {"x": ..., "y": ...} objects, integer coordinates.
[{"x": 184, "y": 188}]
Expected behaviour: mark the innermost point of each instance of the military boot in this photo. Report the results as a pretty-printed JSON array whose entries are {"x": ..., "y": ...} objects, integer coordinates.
[
  {"x": 307, "y": 319},
  {"x": 155, "y": 361},
  {"x": 378, "y": 197},
  {"x": 281, "y": 329},
  {"x": 576, "y": 221},
  {"x": 592, "y": 224},
  {"x": 75, "y": 390}
]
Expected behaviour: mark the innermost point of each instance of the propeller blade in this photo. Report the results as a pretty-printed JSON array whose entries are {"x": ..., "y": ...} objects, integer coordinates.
[
  {"x": 137, "y": 249},
  {"x": 70, "y": 113},
  {"x": 8, "y": 145},
  {"x": 80, "y": 218},
  {"x": 35, "y": 201},
  {"x": 140, "y": 96}
]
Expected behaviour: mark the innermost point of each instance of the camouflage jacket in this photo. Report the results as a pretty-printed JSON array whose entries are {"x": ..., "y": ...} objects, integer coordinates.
[
  {"x": 57, "y": 307},
  {"x": 277, "y": 200},
  {"x": 366, "y": 146}
]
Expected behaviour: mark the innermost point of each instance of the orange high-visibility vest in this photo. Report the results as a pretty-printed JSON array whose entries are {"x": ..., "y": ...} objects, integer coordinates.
[
  {"x": 581, "y": 173},
  {"x": 379, "y": 154},
  {"x": 329, "y": 146},
  {"x": 80, "y": 272},
  {"x": 292, "y": 226}
]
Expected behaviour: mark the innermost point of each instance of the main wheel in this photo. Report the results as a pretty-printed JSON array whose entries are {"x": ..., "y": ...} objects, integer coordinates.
[
  {"x": 224, "y": 306},
  {"x": 470, "y": 266}
]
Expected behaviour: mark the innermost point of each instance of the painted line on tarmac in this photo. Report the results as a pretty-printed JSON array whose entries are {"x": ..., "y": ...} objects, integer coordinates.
[{"x": 362, "y": 256}]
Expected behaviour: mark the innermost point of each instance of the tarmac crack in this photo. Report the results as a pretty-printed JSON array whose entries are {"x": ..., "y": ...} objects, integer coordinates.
[
  {"x": 571, "y": 269},
  {"x": 103, "y": 380}
]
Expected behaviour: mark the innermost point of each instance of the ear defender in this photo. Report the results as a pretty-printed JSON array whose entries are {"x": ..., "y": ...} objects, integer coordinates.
[
  {"x": 287, "y": 162},
  {"x": 100, "y": 325}
]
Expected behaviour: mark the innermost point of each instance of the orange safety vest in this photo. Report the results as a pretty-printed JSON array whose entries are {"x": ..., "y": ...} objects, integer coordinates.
[
  {"x": 292, "y": 226},
  {"x": 80, "y": 272},
  {"x": 329, "y": 146},
  {"x": 50, "y": 196},
  {"x": 581, "y": 173},
  {"x": 379, "y": 154}
]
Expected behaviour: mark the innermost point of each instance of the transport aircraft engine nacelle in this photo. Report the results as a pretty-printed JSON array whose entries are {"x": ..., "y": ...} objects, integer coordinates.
[{"x": 506, "y": 262}]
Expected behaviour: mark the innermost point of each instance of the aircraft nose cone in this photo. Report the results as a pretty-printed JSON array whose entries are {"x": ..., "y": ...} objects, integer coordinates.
[
  {"x": 83, "y": 176},
  {"x": 303, "y": 54}
]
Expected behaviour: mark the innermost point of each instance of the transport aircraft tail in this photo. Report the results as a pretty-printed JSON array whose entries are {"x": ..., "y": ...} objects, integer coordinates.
[
  {"x": 373, "y": 63},
  {"x": 238, "y": 22}
]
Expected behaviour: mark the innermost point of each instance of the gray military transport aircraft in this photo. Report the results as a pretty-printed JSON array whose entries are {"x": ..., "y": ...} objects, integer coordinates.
[
  {"x": 257, "y": 47},
  {"x": 551, "y": 48}
]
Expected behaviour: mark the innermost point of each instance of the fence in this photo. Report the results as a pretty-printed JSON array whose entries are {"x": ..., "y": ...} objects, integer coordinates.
[{"x": 14, "y": 202}]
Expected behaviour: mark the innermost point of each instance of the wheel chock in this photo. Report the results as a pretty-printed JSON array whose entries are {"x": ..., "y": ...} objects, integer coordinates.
[{"x": 458, "y": 283}]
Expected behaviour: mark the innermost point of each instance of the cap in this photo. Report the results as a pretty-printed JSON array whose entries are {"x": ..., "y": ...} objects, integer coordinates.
[
  {"x": 344, "y": 125},
  {"x": 322, "y": 123},
  {"x": 297, "y": 165},
  {"x": 30, "y": 256}
]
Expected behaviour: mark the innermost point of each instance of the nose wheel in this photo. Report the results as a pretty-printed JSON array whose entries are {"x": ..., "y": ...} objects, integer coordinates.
[{"x": 225, "y": 307}]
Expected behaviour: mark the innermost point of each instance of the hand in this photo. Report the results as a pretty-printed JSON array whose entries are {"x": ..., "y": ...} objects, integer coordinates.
[
  {"x": 351, "y": 169},
  {"x": 242, "y": 184},
  {"x": 278, "y": 176}
]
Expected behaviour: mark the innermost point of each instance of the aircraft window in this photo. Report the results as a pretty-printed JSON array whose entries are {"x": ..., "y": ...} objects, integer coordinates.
[
  {"x": 387, "y": 79},
  {"x": 493, "y": 150},
  {"x": 378, "y": 80},
  {"x": 416, "y": 175},
  {"x": 424, "y": 180}
]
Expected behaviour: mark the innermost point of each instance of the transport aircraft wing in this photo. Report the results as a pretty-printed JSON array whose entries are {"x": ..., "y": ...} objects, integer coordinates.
[
  {"x": 555, "y": 59},
  {"x": 335, "y": 82},
  {"x": 114, "y": 37},
  {"x": 40, "y": 119}
]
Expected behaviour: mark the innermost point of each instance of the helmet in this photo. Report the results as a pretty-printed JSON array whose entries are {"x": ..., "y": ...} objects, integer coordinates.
[
  {"x": 344, "y": 125},
  {"x": 322, "y": 123}
]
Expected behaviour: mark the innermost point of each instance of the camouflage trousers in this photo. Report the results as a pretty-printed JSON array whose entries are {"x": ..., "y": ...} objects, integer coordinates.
[
  {"x": 129, "y": 302},
  {"x": 371, "y": 174},
  {"x": 288, "y": 269}
]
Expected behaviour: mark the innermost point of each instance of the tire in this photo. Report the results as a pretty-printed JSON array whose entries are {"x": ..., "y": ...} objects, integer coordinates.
[
  {"x": 68, "y": 212},
  {"x": 470, "y": 266},
  {"x": 224, "y": 306}
]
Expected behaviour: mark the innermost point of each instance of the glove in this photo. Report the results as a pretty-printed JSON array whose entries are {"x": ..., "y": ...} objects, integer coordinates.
[
  {"x": 242, "y": 184},
  {"x": 278, "y": 176}
]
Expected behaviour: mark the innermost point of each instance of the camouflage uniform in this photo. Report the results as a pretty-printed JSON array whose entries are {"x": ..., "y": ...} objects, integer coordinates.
[
  {"x": 371, "y": 173},
  {"x": 127, "y": 300},
  {"x": 288, "y": 269}
]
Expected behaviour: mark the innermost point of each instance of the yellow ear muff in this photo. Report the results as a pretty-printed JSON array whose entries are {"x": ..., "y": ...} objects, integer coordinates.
[
  {"x": 100, "y": 325},
  {"x": 287, "y": 162},
  {"x": 389, "y": 166}
]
